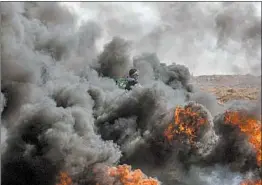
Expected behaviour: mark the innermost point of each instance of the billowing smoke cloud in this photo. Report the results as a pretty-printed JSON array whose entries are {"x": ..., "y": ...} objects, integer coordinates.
[
  {"x": 175, "y": 76},
  {"x": 205, "y": 37},
  {"x": 62, "y": 110},
  {"x": 45, "y": 109},
  {"x": 208, "y": 100},
  {"x": 114, "y": 60},
  {"x": 215, "y": 176},
  {"x": 235, "y": 148},
  {"x": 2, "y": 102}
]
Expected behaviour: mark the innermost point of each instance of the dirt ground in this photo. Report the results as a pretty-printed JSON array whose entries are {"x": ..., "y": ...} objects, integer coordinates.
[{"x": 230, "y": 87}]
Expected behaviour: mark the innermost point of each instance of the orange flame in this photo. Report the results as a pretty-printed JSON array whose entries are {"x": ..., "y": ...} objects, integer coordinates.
[
  {"x": 248, "y": 182},
  {"x": 65, "y": 179},
  {"x": 128, "y": 177},
  {"x": 186, "y": 122},
  {"x": 249, "y": 126}
]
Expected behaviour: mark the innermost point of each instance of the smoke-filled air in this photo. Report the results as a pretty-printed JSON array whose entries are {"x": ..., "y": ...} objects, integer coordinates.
[{"x": 66, "y": 121}]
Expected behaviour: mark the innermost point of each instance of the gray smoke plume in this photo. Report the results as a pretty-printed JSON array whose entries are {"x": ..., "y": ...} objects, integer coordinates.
[
  {"x": 233, "y": 147},
  {"x": 3, "y": 102},
  {"x": 47, "y": 112},
  {"x": 114, "y": 60},
  {"x": 157, "y": 156},
  {"x": 61, "y": 109},
  {"x": 208, "y": 100},
  {"x": 208, "y": 36},
  {"x": 176, "y": 76}
]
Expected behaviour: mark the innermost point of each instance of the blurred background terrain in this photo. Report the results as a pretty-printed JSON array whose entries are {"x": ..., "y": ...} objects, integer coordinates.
[{"x": 230, "y": 87}]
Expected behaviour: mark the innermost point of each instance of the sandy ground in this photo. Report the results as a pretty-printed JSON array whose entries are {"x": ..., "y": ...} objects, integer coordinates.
[{"x": 230, "y": 87}]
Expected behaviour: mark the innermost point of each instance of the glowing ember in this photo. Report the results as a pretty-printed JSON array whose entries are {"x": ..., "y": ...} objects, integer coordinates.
[
  {"x": 128, "y": 177},
  {"x": 249, "y": 126},
  {"x": 248, "y": 182},
  {"x": 187, "y": 122},
  {"x": 64, "y": 179}
]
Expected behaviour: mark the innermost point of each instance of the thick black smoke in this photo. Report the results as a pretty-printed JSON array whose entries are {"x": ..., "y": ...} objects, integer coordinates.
[
  {"x": 138, "y": 125},
  {"x": 206, "y": 37},
  {"x": 175, "y": 76},
  {"x": 114, "y": 60},
  {"x": 28, "y": 170},
  {"x": 233, "y": 147},
  {"x": 62, "y": 111},
  {"x": 47, "y": 112}
]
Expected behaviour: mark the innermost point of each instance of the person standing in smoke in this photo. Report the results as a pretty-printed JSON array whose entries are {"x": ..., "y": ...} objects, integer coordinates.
[{"x": 130, "y": 81}]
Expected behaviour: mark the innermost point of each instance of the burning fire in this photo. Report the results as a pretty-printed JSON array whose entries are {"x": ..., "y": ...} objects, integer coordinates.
[
  {"x": 64, "y": 179},
  {"x": 249, "y": 126},
  {"x": 248, "y": 182},
  {"x": 128, "y": 177},
  {"x": 187, "y": 122}
]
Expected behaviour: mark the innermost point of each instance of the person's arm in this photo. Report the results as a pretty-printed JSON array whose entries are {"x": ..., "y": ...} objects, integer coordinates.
[{"x": 131, "y": 83}]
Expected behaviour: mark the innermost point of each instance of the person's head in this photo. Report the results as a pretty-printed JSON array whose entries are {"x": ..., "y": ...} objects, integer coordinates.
[{"x": 133, "y": 73}]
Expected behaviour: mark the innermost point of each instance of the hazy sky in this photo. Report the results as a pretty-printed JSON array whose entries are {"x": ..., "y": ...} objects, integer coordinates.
[{"x": 207, "y": 37}]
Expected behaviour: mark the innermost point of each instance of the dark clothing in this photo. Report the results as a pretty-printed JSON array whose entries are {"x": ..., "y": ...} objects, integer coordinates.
[{"x": 130, "y": 82}]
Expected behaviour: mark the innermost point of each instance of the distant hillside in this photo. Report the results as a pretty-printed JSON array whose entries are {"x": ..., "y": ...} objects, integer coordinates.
[{"x": 230, "y": 87}]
